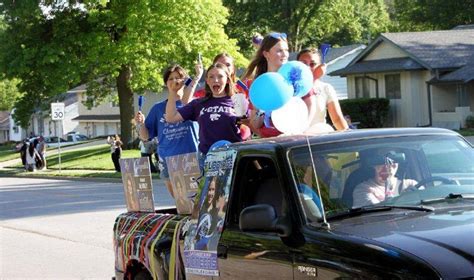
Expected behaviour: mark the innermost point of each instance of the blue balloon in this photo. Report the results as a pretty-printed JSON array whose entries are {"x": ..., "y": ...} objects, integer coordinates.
[
  {"x": 270, "y": 91},
  {"x": 298, "y": 75},
  {"x": 218, "y": 144}
]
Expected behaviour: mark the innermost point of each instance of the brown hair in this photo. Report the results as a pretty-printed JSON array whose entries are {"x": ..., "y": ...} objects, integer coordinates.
[
  {"x": 229, "y": 87},
  {"x": 224, "y": 54},
  {"x": 259, "y": 63},
  {"x": 310, "y": 51},
  {"x": 174, "y": 68}
]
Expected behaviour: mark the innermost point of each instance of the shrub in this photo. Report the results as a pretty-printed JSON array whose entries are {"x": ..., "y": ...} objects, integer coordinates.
[
  {"x": 370, "y": 112},
  {"x": 470, "y": 122}
]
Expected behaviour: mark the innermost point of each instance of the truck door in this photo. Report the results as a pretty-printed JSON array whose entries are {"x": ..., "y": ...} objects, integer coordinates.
[{"x": 254, "y": 255}]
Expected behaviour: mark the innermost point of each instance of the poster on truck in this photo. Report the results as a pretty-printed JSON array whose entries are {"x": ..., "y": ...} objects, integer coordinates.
[
  {"x": 137, "y": 184},
  {"x": 184, "y": 172},
  {"x": 200, "y": 244}
]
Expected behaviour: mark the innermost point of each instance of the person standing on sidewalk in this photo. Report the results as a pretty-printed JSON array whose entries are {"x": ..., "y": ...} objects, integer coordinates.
[
  {"x": 115, "y": 150},
  {"x": 147, "y": 149}
]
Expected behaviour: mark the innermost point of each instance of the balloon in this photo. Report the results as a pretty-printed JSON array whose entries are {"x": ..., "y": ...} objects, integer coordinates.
[
  {"x": 270, "y": 91},
  {"x": 292, "y": 118},
  {"x": 266, "y": 119},
  {"x": 299, "y": 75},
  {"x": 218, "y": 144}
]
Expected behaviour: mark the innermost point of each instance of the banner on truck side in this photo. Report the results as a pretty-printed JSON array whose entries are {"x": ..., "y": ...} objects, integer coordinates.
[
  {"x": 184, "y": 172},
  {"x": 137, "y": 185},
  {"x": 202, "y": 238}
]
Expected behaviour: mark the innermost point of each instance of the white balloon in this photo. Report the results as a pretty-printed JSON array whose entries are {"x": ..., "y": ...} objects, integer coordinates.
[{"x": 292, "y": 118}]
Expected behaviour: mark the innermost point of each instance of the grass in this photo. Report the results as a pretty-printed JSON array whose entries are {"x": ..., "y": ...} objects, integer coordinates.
[
  {"x": 466, "y": 131},
  {"x": 88, "y": 162},
  {"x": 7, "y": 153}
]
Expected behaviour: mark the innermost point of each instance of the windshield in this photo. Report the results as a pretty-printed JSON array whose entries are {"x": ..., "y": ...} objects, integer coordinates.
[{"x": 397, "y": 171}]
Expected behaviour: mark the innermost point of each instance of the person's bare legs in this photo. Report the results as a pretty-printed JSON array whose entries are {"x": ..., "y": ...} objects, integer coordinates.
[{"x": 170, "y": 187}]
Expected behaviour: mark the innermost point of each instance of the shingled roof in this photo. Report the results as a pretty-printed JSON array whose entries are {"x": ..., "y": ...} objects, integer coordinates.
[{"x": 444, "y": 50}]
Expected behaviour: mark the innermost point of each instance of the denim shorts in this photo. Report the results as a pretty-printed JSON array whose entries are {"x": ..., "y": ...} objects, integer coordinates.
[{"x": 163, "y": 168}]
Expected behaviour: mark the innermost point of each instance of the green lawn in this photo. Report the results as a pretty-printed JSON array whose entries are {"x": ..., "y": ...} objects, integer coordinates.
[
  {"x": 95, "y": 157},
  {"x": 90, "y": 162},
  {"x": 7, "y": 153},
  {"x": 466, "y": 132},
  {"x": 90, "y": 158}
]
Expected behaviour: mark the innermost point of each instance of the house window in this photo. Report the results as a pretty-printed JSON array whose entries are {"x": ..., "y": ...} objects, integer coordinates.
[
  {"x": 362, "y": 87},
  {"x": 392, "y": 86},
  {"x": 15, "y": 129}
]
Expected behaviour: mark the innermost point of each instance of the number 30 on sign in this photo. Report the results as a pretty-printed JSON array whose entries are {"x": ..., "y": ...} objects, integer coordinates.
[{"x": 57, "y": 111}]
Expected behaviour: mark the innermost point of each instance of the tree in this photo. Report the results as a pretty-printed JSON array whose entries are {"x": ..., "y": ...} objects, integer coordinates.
[
  {"x": 307, "y": 22},
  {"x": 421, "y": 15},
  {"x": 8, "y": 94},
  {"x": 110, "y": 45}
]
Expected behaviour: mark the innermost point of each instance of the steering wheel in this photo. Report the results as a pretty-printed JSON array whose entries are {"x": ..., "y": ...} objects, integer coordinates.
[{"x": 441, "y": 179}]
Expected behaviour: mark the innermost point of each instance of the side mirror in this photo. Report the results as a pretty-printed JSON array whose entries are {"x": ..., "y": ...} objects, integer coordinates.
[{"x": 262, "y": 217}]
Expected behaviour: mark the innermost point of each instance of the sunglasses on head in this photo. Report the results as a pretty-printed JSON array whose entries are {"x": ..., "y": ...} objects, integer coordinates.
[{"x": 277, "y": 35}]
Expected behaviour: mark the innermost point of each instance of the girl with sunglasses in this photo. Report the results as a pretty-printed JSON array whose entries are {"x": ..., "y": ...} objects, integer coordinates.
[
  {"x": 272, "y": 53},
  {"x": 214, "y": 112},
  {"x": 322, "y": 98},
  {"x": 173, "y": 139}
]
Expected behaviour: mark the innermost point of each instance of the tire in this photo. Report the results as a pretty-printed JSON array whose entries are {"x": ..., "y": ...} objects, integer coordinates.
[{"x": 143, "y": 275}]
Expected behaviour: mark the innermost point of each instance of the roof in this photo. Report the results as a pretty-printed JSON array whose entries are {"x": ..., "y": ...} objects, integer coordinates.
[
  {"x": 438, "y": 49},
  {"x": 379, "y": 65},
  {"x": 464, "y": 74},
  {"x": 334, "y": 53},
  {"x": 4, "y": 120},
  {"x": 97, "y": 118},
  {"x": 443, "y": 49}
]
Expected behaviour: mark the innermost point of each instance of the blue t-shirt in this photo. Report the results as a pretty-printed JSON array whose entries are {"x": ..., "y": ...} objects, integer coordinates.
[
  {"x": 173, "y": 139},
  {"x": 216, "y": 118}
]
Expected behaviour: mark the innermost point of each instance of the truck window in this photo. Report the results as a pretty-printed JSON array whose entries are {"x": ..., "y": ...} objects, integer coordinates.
[{"x": 256, "y": 182}]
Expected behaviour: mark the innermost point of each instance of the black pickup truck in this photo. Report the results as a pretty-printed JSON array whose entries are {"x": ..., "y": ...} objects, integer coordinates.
[{"x": 292, "y": 208}]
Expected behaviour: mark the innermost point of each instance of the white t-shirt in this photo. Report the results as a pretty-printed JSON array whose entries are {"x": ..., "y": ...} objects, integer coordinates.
[
  {"x": 325, "y": 94},
  {"x": 369, "y": 192}
]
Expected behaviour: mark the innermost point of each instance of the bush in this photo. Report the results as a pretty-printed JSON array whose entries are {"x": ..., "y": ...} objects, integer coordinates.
[
  {"x": 370, "y": 112},
  {"x": 470, "y": 122}
]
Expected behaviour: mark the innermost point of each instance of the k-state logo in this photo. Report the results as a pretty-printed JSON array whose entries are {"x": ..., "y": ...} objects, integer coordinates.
[{"x": 214, "y": 117}]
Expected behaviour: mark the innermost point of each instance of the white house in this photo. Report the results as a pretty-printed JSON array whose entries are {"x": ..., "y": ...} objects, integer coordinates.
[{"x": 428, "y": 76}]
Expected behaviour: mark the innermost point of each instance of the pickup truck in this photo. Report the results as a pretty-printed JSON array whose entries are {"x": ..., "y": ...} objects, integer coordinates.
[{"x": 284, "y": 208}]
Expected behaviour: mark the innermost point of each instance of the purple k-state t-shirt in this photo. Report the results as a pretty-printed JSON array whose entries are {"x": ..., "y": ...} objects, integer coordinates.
[{"x": 216, "y": 118}]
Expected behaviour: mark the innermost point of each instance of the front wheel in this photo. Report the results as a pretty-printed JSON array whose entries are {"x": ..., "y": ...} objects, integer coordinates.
[{"x": 143, "y": 275}]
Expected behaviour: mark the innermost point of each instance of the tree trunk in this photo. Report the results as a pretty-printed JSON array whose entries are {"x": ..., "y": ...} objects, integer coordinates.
[{"x": 126, "y": 104}]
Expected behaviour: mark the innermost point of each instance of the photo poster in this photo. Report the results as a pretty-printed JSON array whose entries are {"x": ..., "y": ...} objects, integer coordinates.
[
  {"x": 184, "y": 172},
  {"x": 202, "y": 238},
  {"x": 137, "y": 184}
]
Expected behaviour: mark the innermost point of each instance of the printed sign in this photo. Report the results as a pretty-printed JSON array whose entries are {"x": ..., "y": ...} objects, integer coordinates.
[
  {"x": 57, "y": 111},
  {"x": 137, "y": 185},
  {"x": 184, "y": 172},
  {"x": 200, "y": 244}
]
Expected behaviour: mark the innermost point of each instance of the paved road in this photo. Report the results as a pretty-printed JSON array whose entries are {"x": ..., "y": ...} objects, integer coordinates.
[{"x": 61, "y": 229}]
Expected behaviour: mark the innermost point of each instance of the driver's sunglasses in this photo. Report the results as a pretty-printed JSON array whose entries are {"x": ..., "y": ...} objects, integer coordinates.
[{"x": 277, "y": 35}]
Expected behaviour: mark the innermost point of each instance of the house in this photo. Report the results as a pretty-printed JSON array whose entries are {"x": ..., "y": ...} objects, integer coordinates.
[
  {"x": 4, "y": 126},
  {"x": 428, "y": 76},
  {"x": 336, "y": 59},
  {"x": 101, "y": 120}
]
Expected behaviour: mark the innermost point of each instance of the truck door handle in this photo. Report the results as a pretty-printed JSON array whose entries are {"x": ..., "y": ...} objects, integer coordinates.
[{"x": 222, "y": 251}]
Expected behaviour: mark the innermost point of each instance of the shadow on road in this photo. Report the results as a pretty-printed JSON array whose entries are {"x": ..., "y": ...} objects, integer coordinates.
[{"x": 21, "y": 198}]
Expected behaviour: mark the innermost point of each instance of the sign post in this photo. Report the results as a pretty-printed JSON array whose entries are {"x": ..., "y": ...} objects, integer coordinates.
[{"x": 57, "y": 114}]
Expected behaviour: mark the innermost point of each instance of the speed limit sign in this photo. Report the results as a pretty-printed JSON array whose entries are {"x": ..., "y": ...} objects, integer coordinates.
[{"x": 57, "y": 111}]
